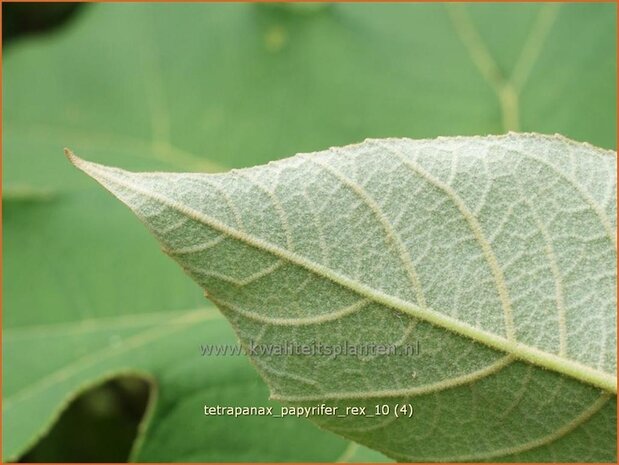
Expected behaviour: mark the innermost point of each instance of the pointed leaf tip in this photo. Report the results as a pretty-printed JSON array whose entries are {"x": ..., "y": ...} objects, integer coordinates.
[
  {"x": 69, "y": 154},
  {"x": 78, "y": 162},
  {"x": 74, "y": 159}
]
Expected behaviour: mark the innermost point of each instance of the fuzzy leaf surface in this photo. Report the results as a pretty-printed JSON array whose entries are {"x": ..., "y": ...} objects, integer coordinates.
[{"x": 496, "y": 256}]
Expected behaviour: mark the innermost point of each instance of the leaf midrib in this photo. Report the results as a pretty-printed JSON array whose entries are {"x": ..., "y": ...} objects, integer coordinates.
[
  {"x": 105, "y": 323},
  {"x": 519, "y": 350}
]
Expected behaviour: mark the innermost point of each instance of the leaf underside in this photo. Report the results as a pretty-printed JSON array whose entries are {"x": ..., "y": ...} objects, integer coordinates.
[{"x": 495, "y": 255}]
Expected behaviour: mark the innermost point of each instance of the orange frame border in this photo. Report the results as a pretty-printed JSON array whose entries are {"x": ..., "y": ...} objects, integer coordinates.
[{"x": 267, "y": 1}]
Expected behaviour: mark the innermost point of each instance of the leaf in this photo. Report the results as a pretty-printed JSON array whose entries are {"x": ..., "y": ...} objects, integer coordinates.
[
  {"x": 496, "y": 255},
  {"x": 163, "y": 349},
  {"x": 211, "y": 86}
]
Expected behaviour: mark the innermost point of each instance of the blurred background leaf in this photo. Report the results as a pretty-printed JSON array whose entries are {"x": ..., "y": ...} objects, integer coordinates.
[
  {"x": 100, "y": 425},
  {"x": 23, "y": 19},
  {"x": 88, "y": 297}
]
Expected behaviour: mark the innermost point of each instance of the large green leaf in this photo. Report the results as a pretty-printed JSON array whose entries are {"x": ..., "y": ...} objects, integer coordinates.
[
  {"x": 192, "y": 87},
  {"x": 164, "y": 349},
  {"x": 496, "y": 255}
]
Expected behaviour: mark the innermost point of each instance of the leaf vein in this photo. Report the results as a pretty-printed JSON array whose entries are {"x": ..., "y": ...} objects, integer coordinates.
[{"x": 390, "y": 233}]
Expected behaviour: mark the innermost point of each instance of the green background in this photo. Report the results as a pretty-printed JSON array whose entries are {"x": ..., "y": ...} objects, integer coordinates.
[{"x": 87, "y": 295}]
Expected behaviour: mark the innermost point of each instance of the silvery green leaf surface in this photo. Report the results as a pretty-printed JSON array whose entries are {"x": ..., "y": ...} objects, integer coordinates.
[{"x": 495, "y": 256}]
